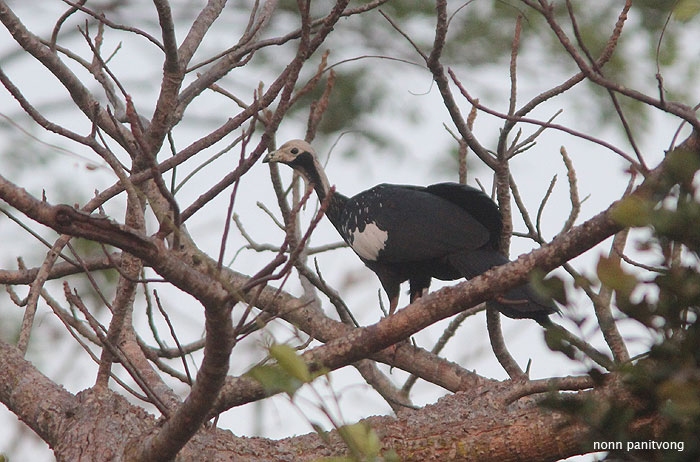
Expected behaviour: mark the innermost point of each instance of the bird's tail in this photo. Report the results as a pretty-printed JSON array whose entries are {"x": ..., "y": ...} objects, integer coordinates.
[{"x": 519, "y": 302}]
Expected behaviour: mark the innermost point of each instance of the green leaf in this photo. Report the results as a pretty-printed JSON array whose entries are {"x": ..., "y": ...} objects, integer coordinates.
[
  {"x": 323, "y": 434},
  {"x": 291, "y": 362},
  {"x": 550, "y": 287},
  {"x": 681, "y": 165},
  {"x": 274, "y": 379},
  {"x": 686, "y": 10},
  {"x": 612, "y": 275},
  {"x": 680, "y": 396},
  {"x": 632, "y": 211},
  {"x": 361, "y": 439},
  {"x": 555, "y": 341}
]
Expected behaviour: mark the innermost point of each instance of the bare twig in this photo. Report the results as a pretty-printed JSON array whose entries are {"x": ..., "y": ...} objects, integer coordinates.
[
  {"x": 680, "y": 110},
  {"x": 498, "y": 345},
  {"x": 543, "y": 204},
  {"x": 101, "y": 332},
  {"x": 529, "y": 387},
  {"x": 103, "y": 20},
  {"x": 562, "y": 128},
  {"x": 573, "y": 191},
  {"x": 61, "y": 20},
  {"x": 446, "y": 335},
  {"x": 613, "y": 97},
  {"x": 36, "y": 290}
]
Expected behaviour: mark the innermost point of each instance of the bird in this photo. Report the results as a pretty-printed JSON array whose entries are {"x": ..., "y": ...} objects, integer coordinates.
[{"x": 445, "y": 231}]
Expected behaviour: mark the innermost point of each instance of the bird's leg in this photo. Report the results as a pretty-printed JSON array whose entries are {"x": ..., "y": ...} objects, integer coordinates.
[
  {"x": 415, "y": 295},
  {"x": 419, "y": 287},
  {"x": 393, "y": 303}
]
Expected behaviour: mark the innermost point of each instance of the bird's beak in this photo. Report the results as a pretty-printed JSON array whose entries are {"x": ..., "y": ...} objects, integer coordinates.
[{"x": 270, "y": 157}]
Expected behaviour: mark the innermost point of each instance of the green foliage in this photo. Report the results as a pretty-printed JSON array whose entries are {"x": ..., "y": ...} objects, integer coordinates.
[
  {"x": 685, "y": 10},
  {"x": 287, "y": 375},
  {"x": 275, "y": 379},
  {"x": 361, "y": 440},
  {"x": 667, "y": 380},
  {"x": 556, "y": 341},
  {"x": 681, "y": 165},
  {"x": 612, "y": 275},
  {"x": 290, "y": 362},
  {"x": 549, "y": 287},
  {"x": 672, "y": 215},
  {"x": 664, "y": 384},
  {"x": 632, "y": 211},
  {"x": 364, "y": 445}
]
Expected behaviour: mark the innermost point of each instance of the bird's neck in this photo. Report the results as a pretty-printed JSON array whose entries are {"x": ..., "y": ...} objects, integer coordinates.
[
  {"x": 315, "y": 175},
  {"x": 336, "y": 202}
]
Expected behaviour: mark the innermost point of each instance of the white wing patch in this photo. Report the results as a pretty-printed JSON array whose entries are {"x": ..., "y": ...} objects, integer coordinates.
[{"x": 369, "y": 242}]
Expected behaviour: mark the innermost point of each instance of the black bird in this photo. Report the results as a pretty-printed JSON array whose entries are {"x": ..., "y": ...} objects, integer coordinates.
[{"x": 403, "y": 233}]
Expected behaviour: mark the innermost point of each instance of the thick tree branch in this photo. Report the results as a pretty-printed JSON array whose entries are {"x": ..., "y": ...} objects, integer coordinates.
[
  {"x": 462, "y": 426},
  {"x": 190, "y": 416},
  {"x": 32, "y": 397}
]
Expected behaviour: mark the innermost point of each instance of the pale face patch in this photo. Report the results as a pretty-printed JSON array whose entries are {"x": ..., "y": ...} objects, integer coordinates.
[{"x": 368, "y": 243}]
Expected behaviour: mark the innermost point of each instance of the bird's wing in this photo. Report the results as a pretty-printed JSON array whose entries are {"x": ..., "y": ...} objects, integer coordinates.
[
  {"x": 473, "y": 201},
  {"x": 396, "y": 223}
]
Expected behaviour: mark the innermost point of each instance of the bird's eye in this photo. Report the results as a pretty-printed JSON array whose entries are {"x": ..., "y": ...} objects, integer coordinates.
[{"x": 295, "y": 151}]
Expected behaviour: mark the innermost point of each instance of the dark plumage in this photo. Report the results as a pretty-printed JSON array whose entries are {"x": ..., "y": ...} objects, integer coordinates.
[{"x": 403, "y": 233}]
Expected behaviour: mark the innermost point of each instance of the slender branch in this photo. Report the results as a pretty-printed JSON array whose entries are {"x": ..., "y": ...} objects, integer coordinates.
[
  {"x": 573, "y": 191},
  {"x": 200, "y": 26},
  {"x": 562, "y": 128},
  {"x": 498, "y": 345},
  {"x": 104, "y": 20},
  {"x": 543, "y": 204},
  {"x": 680, "y": 110},
  {"x": 362, "y": 342},
  {"x": 440, "y": 77},
  {"x": 121, "y": 309},
  {"x": 82, "y": 97},
  {"x": 521, "y": 389},
  {"x": 603, "y": 307},
  {"x": 36, "y": 290},
  {"x": 611, "y": 45},
  {"x": 60, "y": 270},
  {"x": 446, "y": 335},
  {"x": 173, "y": 74},
  {"x": 61, "y": 20},
  {"x": 115, "y": 350},
  {"x": 382, "y": 385}
]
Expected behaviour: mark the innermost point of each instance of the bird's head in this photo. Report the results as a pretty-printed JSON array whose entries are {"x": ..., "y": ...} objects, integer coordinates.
[
  {"x": 294, "y": 153},
  {"x": 299, "y": 155}
]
